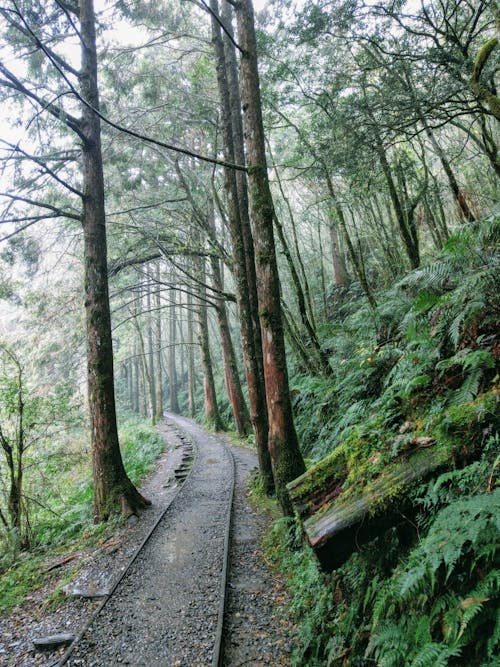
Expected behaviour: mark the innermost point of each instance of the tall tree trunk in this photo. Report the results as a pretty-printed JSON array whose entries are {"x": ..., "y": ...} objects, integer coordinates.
[
  {"x": 112, "y": 487},
  {"x": 356, "y": 262},
  {"x": 233, "y": 384},
  {"x": 433, "y": 227},
  {"x": 146, "y": 393},
  {"x": 283, "y": 445},
  {"x": 172, "y": 350},
  {"x": 391, "y": 248},
  {"x": 143, "y": 387},
  {"x": 190, "y": 355},
  {"x": 158, "y": 344},
  {"x": 242, "y": 245},
  {"x": 410, "y": 242},
  {"x": 339, "y": 267},
  {"x": 301, "y": 283},
  {"x": 315, "y": 350},
  {"x": 242, "y": 184},
  {"x": 137, "y": 390},
  {"x": 322, "y": 268},
  {"x": 463, "y": 206},
  {"x": 151, "y": 352},
  {"x": 14, "y": 453},
  {"x": 408, "y": 234},
  {"x": 181, "y": 349},
  {"x": 295, "y": 340},
  {"x": 489, "y": 143},
  {"x": 212, "y": 415}
]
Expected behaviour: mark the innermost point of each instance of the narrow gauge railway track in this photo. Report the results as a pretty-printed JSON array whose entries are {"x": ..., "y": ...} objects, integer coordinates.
[{"x": 167, "y": 607}]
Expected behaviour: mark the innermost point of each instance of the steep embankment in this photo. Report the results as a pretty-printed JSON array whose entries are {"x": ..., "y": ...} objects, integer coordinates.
[{"x": 418, "y": 372}]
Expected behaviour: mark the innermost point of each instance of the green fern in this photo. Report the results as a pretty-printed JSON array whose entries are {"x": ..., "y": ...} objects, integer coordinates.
[
  {"x": 421, "y": 365},
  {"x": 468, "y": 390},
  {"x": 409, "y": 603},
  {"x": 434, "y": 655},
  {"x": 389, "y": 645}
]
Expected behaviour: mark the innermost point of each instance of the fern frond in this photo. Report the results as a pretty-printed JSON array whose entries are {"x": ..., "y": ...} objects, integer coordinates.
[
  {"x": 451, "y": 621},
  {"x": 468, "y": 390},
  {"x": 434, "y": 655},
  {"x": 389, "y": 645},
  {"x": 432, "y": 277},
  {"x": 416, "y": 580},
  {"x": 472, "y": 606}
]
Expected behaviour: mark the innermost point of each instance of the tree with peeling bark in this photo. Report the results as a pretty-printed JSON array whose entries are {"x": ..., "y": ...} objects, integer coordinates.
[
  {"x": 283, "y": 444},
  {"x": 240, "y": 233},
  {"x": 112, "y": 487},
  {"x": 113, "y": 490}
]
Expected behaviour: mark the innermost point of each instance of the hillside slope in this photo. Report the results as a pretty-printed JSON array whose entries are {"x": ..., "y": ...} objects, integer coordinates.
[{"x": 423, "y": 368}]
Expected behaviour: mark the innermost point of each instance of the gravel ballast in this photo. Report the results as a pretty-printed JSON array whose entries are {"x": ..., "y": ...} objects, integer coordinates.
[{"x": 166, "y": 609}]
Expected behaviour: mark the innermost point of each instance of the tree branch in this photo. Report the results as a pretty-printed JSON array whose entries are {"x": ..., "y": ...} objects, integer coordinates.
[
  {"x": 116, "y": 266},
  {"x": 221, "y": 23},
  {"x": 11, "y": 81},
  {"x": 28, "y": 32},
  {"x": 75, "y": 124},
  {"x": 41, "y": 163},
  {"x": 56, "y": 213}
]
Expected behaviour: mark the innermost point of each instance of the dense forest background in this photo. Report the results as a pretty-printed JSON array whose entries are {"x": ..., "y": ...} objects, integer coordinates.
[{"x": 381, "y": 135}]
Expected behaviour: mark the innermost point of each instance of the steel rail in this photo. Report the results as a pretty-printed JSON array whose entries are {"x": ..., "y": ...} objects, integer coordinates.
[
  {"x": 217, "y": 660},
  {"x": 218, "y": 650},
  {"x": 93, "y": 617}
]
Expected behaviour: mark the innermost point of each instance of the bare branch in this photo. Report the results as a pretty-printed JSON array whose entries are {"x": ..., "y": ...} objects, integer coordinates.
[
  {"x": 40, "y": 162},
  {"x": 11, "y": 81}
]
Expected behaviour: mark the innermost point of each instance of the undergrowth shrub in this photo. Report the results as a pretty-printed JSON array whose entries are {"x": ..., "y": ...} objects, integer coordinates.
[
  {"x": 432, "y": 343},
  {"x": 440, "y": 606},
  {"x": 423, "y": 367},
  {"x": 61, "y": 509},
  {"x": 430, "y": 600},
  {"x": 312, "y": 602},
  {"x": 141, "y": 445}
]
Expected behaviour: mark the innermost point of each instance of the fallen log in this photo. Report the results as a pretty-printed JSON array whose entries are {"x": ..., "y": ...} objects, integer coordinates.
[
  {"x": 338, "y": 521},
  {"x": 339, "y": 516}
]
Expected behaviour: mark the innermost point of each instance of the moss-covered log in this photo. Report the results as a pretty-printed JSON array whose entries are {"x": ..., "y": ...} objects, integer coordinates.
[
  {"x": 337, "y": 521},
  {"x": 319, "y": 485},
  {"x": 340, "y": 511}
]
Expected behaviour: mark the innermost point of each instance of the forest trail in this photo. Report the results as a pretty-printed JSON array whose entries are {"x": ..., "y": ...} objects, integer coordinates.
[{"x": 166, "y": 609}]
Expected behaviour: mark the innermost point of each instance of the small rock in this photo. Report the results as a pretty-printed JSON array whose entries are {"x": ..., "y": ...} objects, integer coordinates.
[
  {"x": 87, "y": 593},
  {"x": 423, "y": 441},
  {"x": 52, "y": 642},
  {"x": 404, "y": 428}
]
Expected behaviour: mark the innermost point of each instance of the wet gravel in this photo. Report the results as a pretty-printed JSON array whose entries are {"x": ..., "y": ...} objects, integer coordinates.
[
  {"x": 257, "y": 631},
  {"x": 165, "y": 610}
]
